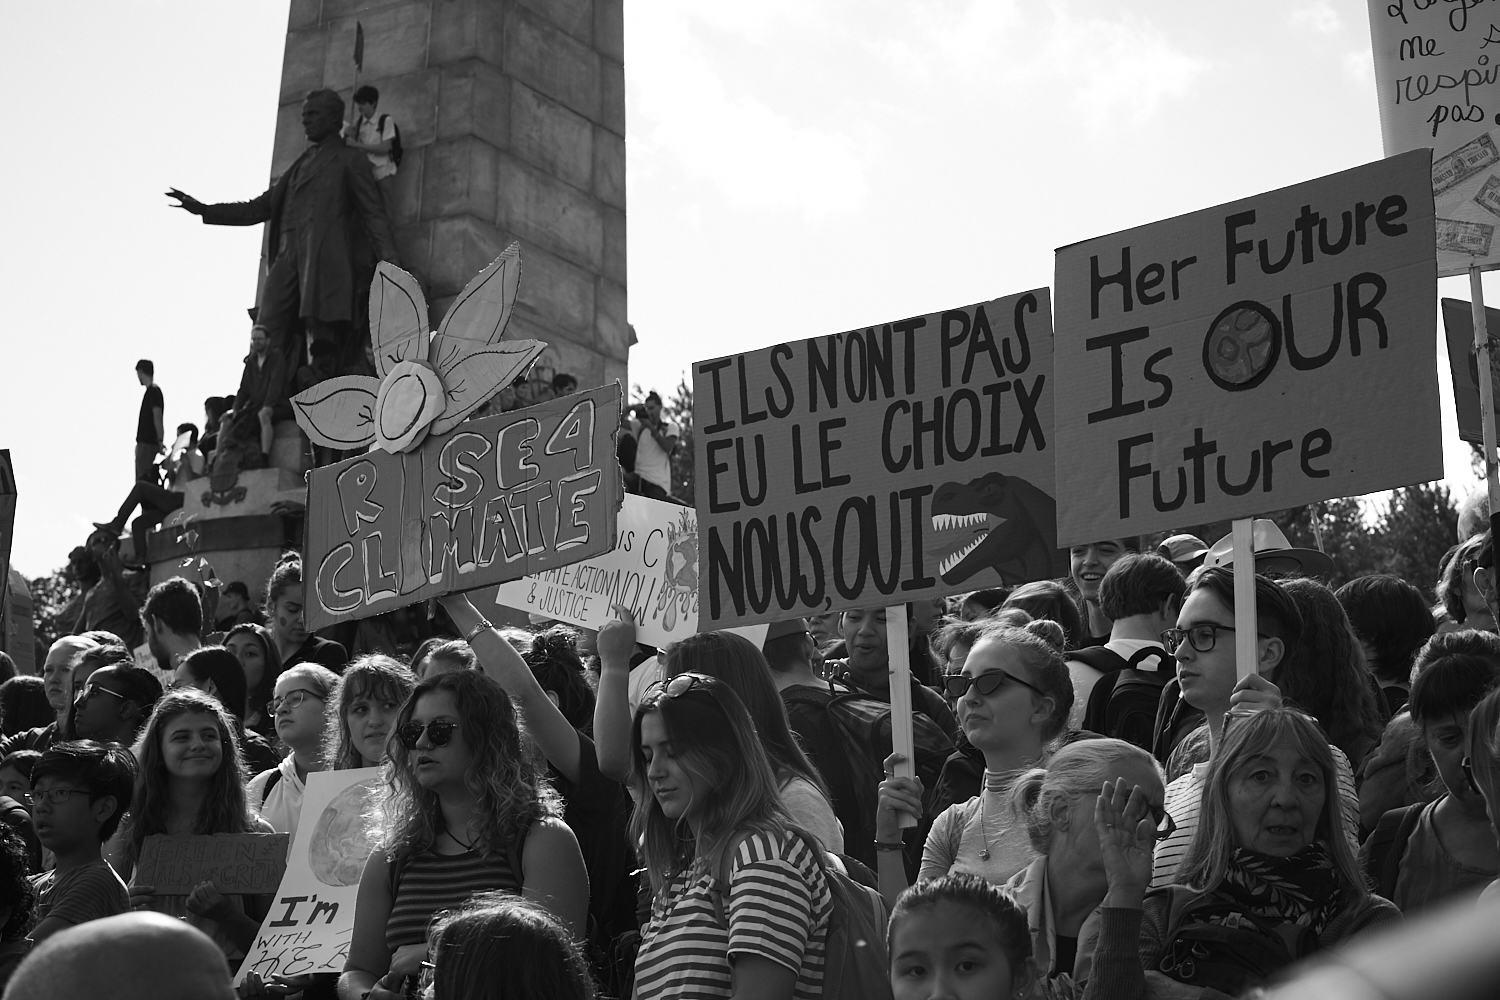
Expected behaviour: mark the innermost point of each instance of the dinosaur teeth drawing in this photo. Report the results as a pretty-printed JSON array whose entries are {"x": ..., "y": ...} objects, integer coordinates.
[
  {"x": 994, "y": 529},
  {"x": 957, "y": 522},
  {"x": 958, "y": 556}
]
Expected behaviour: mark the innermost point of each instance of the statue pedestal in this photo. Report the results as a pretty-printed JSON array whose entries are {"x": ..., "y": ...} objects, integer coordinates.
[{"x": 234, "y": 528}]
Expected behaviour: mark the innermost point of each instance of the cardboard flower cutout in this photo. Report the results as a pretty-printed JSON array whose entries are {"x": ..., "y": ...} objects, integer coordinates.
[{"x": 426, "y": 384}]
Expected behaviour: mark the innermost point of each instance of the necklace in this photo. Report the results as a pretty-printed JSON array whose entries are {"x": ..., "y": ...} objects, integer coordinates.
[
  {"x": 998, "y": 782},
  {"x": 469, "y": 846},
  {"x": 984, "y": 828}
]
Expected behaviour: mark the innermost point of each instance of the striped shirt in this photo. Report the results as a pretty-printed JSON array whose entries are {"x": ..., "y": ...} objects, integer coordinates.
[
  {"x": 777, "y": 907},
  {"x": 1185, "y": 797},
  {"x": 430, "y": 883}
]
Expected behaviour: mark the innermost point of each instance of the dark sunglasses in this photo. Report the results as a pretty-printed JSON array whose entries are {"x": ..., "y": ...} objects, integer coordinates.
[
  {"x": 957, "y": 685},
  {"x": 1468, "y": 769},
  {"x": 439, "y": 732},
  {"x": 680, "y": 685}
]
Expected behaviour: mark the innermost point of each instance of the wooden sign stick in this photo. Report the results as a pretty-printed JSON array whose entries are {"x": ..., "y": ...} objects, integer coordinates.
[
  {"x": 1245, "y": 631},
  {"x": 897, "y": 645},
  {"x": 1486, "y": 392}
]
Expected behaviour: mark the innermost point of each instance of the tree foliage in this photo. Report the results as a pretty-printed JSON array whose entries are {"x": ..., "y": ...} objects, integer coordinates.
[{"x": 49, "y": 596}]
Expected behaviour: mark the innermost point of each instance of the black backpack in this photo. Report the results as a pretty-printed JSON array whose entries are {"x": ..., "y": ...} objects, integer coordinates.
[
  {"x": 396, "y": 151},
  {"x": 1124, "y": 701},
  {"x": 1212, "y": 943}
]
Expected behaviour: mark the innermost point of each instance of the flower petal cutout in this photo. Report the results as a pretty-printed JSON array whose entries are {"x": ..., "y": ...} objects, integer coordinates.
[
  {"x": 479, "y": 315},
  {"x": 476, "y": 377},
  {"x": 398, "y": 318},
  {"x": 338, "y": 412}
]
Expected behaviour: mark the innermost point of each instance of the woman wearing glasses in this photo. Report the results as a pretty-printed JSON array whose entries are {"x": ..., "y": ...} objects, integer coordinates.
[
  {"x": 1269, "y": 871},
  {"x": 1061, "y": 890},
  {"x": 298, "y": 708},
  {"x": 191, "y": 780},
  {"x": 734, "y": 879},
  {"x": 466, "y": 810},
  {"x": 1013, "y": 696}
]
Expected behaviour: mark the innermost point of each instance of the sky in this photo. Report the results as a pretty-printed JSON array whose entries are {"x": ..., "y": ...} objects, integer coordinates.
[{"x": 794, "y": 168}]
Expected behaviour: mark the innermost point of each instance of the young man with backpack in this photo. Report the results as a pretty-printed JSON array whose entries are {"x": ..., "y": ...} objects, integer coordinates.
[
  {"x": 379, "y": 138},
  {"x": 1116, "y": 686}
]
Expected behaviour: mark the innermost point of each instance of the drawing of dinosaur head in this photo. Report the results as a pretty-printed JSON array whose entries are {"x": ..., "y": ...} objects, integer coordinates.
[{"x": 994, "y": 530}]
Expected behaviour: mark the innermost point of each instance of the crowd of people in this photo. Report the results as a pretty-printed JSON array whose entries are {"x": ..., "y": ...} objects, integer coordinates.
[{"x": 1099, "y": 805}]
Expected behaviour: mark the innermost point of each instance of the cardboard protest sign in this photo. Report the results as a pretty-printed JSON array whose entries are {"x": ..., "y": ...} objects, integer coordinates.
[
  {"x": 174, "y": 864},
  {"x": 1438, "y": 86},
  {"x": 310, "y": 923},
  {"x": 653, "y": 571},
  {"x": 494, "y": 499},
  {"x": 1251, "y": 357},
  {"x": 877, "y": 466},
  {"x": 1458, "y": 325}
]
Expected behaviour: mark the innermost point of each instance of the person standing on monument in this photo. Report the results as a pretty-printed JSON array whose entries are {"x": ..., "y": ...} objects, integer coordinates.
[
  {"x": 312, "y": 210},
  {"x": 380, "y": 140},
  {"x": 150, "y": 438},
  {"x": 656, "y": 439}
]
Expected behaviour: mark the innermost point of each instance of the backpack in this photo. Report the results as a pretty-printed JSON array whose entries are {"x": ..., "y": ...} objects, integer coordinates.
[
  {"x": 396, "y": 151},
  {"x": 1386, "y": 847},
  {"x": 271, "y": 782},
  {"x": 863, "y": 725},
  {"x": 1211, "y": 942},
  {"x": 1124, "y": 701},
  {"x": 1175, "y": 719},
  {"x": 855, "y": 965}
]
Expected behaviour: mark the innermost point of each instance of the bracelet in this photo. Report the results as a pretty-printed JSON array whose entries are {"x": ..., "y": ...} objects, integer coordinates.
[
  {"x": 484, "y": 623},
  {"x": 881, "y": 845}
]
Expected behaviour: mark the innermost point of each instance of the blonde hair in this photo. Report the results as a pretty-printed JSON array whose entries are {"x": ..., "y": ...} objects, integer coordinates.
[{"x": 1075, "y": 770}]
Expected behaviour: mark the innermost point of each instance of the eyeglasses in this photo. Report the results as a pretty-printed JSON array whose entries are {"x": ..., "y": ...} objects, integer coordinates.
[
  {"x": 1203, "y": 636},
  {"x": 1468, "y": 769},
  {"x": 93, "y": 689},
  {"x": 1165, "y": 824},
  {"x": 290, "y": 700},
  {"x": 57, "y": 796},
  {"x": 957, "y": 685},
  {"x": 439, "y": 732}
]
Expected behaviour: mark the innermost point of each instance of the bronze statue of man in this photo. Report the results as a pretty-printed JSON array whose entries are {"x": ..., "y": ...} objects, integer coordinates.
[{"x": 314, "y": 209}]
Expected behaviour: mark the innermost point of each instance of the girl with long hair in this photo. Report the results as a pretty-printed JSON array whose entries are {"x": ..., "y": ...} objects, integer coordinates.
[
  {"x": 255, "y": 648},
  {"x": 720, "y": 851},
  {"x": 362, "y": 711},
  {"x": 1013, "y": 697},
  {"x": 466, "y": 809},
  {"x": 737, "y": 662},
  {"x": 191, "y": 780},
  {"x": 1269, "y": 846},
  {"x": 284, "y": 600},
  {"x": 217, "y": 673}
]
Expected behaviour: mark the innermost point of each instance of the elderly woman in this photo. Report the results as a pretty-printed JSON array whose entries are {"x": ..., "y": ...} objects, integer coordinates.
[
  {"x": 1268, "y": 877},
  {"x": 1061, "y": 890}
]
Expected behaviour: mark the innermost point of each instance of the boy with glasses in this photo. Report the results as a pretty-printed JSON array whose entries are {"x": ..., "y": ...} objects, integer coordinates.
[{"x": 79, "y": 792}]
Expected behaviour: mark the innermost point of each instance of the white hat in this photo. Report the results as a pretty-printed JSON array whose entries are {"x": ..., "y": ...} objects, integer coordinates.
[{"x": 1273, "y": 553}]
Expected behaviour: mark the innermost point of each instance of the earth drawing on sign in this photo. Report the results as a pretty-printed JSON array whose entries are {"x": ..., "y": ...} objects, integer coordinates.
[{"x": 343, "y": 837}]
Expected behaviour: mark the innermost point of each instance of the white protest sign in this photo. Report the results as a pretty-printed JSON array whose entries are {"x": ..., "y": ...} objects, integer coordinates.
[
  {"x": 312, "y": 919},
  {"x": 653, "y": 571},
  {"x": 1437, "y": 70},
  {"x": 1256, "y": 356}
]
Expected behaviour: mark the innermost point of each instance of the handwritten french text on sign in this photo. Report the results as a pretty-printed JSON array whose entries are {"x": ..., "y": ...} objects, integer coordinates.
[
  {"x": 1251, "y": 357},
  {"x": 491, "y": 500},
  {"x": 877, "y": 466},
  {"x": 174, "y": 864},
  {"x": 653, "y": 571},
  {"x": 312, "y": 918},
  {"x": 1437, "y": 71}
]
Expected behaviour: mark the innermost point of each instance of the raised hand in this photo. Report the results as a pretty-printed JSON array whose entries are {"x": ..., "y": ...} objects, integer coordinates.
[
  {"x": 185, "y": 201},
  {"x": 1127, "y": 838},
  {"x": 616, "y": 642},
  {"x": 896, "y": 796},
  {"x": 1254, "y": 693}
]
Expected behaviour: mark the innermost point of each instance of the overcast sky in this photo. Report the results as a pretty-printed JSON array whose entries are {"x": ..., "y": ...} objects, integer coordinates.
[{"x": 796, "y": 167}]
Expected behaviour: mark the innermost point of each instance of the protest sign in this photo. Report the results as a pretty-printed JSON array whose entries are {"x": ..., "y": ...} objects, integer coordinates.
[
  {"x": 1263, "y": 354},
  {"x": 174, "y": 864},
  {"x": 1458, "y": 324},
  {"x": 491, "y": 500},
  {"x": 310, "y": 923},
  {"x": 653, "y": 571},
  {"x": 878, "y": 466}
]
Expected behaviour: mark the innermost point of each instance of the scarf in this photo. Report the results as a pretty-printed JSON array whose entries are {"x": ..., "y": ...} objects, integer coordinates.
[{"x": 1303, "y": 889}]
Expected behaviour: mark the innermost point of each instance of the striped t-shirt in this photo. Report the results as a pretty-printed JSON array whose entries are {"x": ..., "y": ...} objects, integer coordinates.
[
  {"x": 1185, "y": 797},
  {"x": 777, "y": 907},
  {"x": 429, "y": 883}
]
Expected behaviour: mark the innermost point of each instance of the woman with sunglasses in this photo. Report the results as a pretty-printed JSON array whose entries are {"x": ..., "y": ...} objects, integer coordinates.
[
  {"x": 1269, "y": 860},
  {"x": 255, "y": 648},
  {"x": 191, "y": 780},
  {"x": 216, "y": 672},
  {"x": 1013, "y": 696},
  {"x": 1422, "y": 854},
  {"x": 298, "y": 708},
  {"x": 466, "y": 810},
  {"x": 741, "y": 902}
]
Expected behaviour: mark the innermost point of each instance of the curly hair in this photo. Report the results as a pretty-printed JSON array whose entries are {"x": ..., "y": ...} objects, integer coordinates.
[
  {"x": 553, "y": 658},
  {"x": 500, "y": 946},
  {"x": 224, "y": 808},
  {"x": 374, "y": 676},
  {"x": 287, "y": 574},
  {"x": 507, "y": 777},
  {"x": 16, "y": 891}
]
